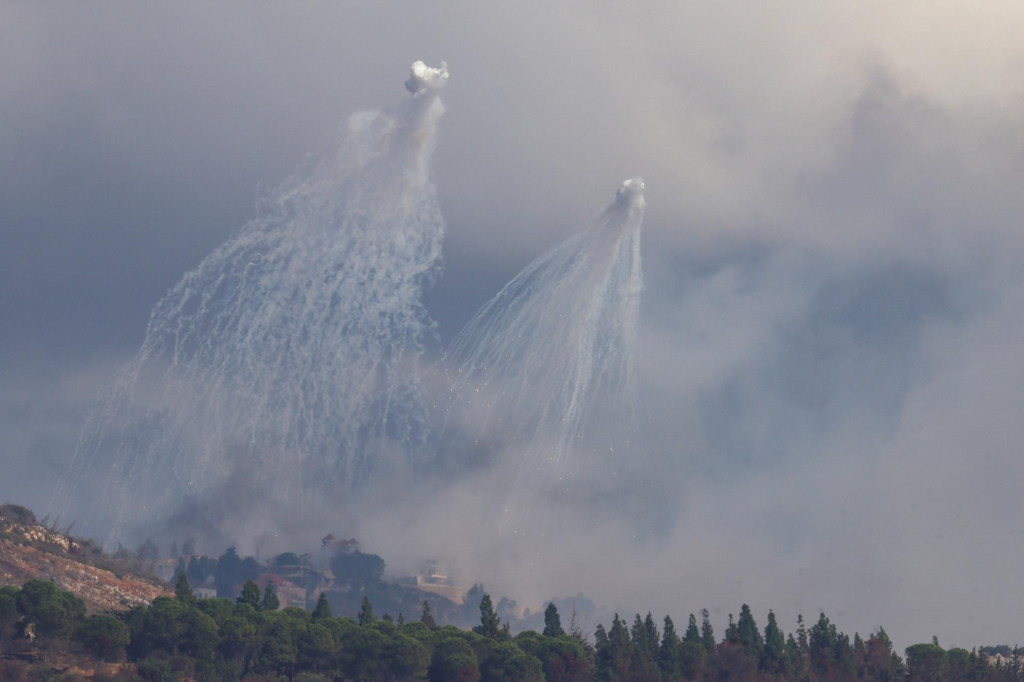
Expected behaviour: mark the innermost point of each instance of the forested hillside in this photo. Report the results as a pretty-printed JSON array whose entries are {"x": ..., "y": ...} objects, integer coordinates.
[{"x": 48, "y": 632}]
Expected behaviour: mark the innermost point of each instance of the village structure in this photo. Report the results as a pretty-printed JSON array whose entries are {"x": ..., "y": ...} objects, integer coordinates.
[{"x": 301, "y": 584}]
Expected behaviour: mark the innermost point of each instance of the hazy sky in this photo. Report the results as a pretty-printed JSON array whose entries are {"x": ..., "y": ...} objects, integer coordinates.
[{"x": 832, "y": 337}]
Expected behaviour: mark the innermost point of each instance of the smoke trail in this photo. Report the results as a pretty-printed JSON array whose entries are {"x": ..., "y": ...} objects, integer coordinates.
[
  {"x": 287, "y": 358},
  {"x": 544, "y": 372}
]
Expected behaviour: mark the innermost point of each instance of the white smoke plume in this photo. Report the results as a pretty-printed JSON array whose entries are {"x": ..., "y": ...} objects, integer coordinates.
[
  {"x": 544, "y": 373},
  {"x": 288, "y": 357}
]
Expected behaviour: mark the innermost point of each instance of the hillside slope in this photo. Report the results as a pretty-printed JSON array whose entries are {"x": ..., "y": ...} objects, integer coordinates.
[{"x": 29, "y": 550}]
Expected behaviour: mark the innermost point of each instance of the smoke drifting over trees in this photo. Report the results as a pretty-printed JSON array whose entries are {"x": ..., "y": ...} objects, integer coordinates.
[{"x": 827, "y": 342}]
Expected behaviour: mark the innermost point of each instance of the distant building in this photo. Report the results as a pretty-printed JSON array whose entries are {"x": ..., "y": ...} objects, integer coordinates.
[
  {"x": 204, "y": 592},
  {"x": 332, "y": 544},
  {"x": 288, "y": 593},
  {"x": 431, "y": 579},
  {"x": 306, "y": 576}
]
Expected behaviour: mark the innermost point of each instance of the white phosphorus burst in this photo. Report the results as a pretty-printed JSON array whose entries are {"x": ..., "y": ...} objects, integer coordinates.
[
  {"x": 545, "y": 370},
  {"x": 289, "y": 354}
]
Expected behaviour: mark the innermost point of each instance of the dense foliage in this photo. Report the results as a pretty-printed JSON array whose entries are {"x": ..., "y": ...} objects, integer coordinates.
[
  {"x": 184, "y": 638},
  {"x": 250, "y": 638}
]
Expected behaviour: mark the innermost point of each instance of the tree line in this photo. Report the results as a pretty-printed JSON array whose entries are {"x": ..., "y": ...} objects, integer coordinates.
[{"x": 248, "y": 638}]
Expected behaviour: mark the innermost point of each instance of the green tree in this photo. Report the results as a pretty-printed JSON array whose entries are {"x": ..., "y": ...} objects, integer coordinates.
[
  {"x": 237, "y": 641},
  {"x": 926, "y": 662},
  {"x": 822, "y": 640},
  {"x": 407, "y": 659},
  {"x": 217, "y": 609},
  {"x": 748, "y": 634},
  {"x": 279, "y": 636},
  {"x": 104, "y": 636},
  {"x": 366, "y": 612},
  {"x": 489, "y": 622},
  {"x": 552, "y": 622},
  {"x": 164, "y": 628},
  {"x": 613, "y": 652},
  {"x": 563, "y": 658},
  {"x": 732, "y": 662},
  {"x": 287, "y": 559},
  {"x": 54, "y": 611},
  {"x": 323, "y": 608},
  {"x": 732, "y": 632},
  {"x": 200, "y": 568},
  {"x": 692, "y": 633},
  {"x": 692, "y": 660},
  {"x": 250, "y": 595},
  {"x": 644, "y": 638},
  {"x": 270, "y": 601},
  {"x": 453, "y": 660},
  {"x": 880, "y": 661},
  {"x": 773, "y": 656},
  {"x": 602, "y": 654},
  {"x": 316, "y": 648},
  {"x": 792, "y": 656},
  {"x": 668, "y": 654},
  {"x": 707, "y": 633},
  {"x": 652, "y": 637},
  {"x": 427, "y": 618},
  {"x": 958, "y": 664},
  {"x": 8, "y": 612},
  {"x": 229, "y": 573},
  {"x": 845, "y": 659},
  {"x": 508, "y": 663},
  {"x": 364, "y": 652},
  {"x": 183, "y": 591},
  {"x": 366, "y": 568},
  {"x": 800, "y": 664}
]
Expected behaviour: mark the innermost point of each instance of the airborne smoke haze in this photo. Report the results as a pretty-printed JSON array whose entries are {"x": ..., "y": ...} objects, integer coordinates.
[{"x": 828, "y": 348}]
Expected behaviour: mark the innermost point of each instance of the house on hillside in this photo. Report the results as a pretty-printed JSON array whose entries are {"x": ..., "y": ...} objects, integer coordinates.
[
  {"x": 333, "y": 545},
  {"x": 306, "y": 576},
  {"x": 204, "y": 591},
  {"x": 431, "y": 579},
  {"x": 288, "y": 593}
]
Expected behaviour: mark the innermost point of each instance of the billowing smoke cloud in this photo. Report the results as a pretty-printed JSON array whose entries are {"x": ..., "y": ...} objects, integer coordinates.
[{"x": 829, "y": 356}]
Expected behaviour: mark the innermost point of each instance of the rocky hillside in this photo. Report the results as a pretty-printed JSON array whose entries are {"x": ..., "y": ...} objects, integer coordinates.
[{"x": 30, "y": 550}]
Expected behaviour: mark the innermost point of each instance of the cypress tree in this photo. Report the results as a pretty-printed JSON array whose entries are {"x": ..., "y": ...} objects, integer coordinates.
[
  {"x": 552, "y": 621},
  {"x": 822, "y": 645},
  {"x": 427, "y": 618},
  {"x": 602, "y": 653},
  {"x": 652, "y": 636},
  {"x": 732, "y": 633},
  {"x": 323, "y": 608},
  {"x": 250, "y": 595},
  {"x": 707, "y": 633},
  {"x": 773, "y": 655},
  {"x": 270, "y": 601},
  {"x": 668, "y": 655},
  {"x": 746, "y": 630},
  {"x": 366, "y": 612},
  {"x": 183, "y": 591},
  {"x": 490, "y": 624},
  {"x": 801, "y": 666},
  {"x": 692, "y": 633},
  {"x": 620, "y": 649}
]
